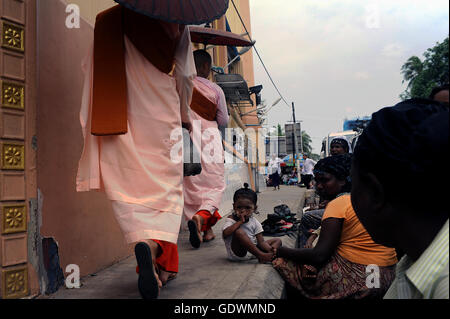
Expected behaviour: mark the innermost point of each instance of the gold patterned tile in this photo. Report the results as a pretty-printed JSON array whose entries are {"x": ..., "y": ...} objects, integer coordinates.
[
  {"x": 14, "y": 219},
  {"x": 13, "y": 95},
  {"x": 13, "y": 36},
  {"x": 14, "y": 283},
  {"x": 13, "y": 156}
]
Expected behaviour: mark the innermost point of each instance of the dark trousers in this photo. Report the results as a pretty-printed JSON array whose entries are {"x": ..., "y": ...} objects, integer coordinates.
[
  {"x": 306, "y": 179},
  {"x": 275, "y": 179}
]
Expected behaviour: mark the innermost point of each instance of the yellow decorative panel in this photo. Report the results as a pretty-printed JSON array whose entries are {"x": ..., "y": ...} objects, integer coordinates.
[
  {"x": 13, "y": 156},
  {"x": 15, "y": 283},
  {"x": 13, "y": 37},
  {"x": 13, "y": 95},
  {"x": 14, "y": 219}
]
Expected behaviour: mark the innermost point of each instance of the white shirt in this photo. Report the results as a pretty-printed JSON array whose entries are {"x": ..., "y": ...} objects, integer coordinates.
[
  {"x": 274, "y": 166},
  {"x": 252, "y": 228},
  {"x": 308, "y": 166}
]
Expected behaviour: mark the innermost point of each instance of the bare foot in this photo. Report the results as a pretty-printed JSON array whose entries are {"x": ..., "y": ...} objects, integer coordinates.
[
  {"x": 166, "y": 276},
  {"x": 265, "y": 258},
  {"x": 209, "y": 235},
  {"x": 155, "y": 250}
]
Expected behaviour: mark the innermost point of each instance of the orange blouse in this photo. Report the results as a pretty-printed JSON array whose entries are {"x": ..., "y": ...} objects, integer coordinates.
[{"x": 356, "y": 245}]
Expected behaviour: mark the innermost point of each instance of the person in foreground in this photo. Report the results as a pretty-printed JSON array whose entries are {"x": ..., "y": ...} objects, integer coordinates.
[
  {"x": 242, "y": 233},
  {"x": 440, "y": 94},
  {"x": 127, "y": 148},
  {"x": 338, "y": 264},
  {"x": 411, "y": 139}
]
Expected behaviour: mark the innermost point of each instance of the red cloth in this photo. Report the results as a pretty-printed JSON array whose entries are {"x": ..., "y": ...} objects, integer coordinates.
[
  {"x": 168, "y": 259},
  {"x": 208, "y": 219}
]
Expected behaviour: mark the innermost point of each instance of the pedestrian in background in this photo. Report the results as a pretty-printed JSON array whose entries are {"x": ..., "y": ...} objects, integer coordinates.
[
  {"x": 308, "y": 167},
  {"x": 274, "y": 168},
  {"x": 339, "y": 146}
]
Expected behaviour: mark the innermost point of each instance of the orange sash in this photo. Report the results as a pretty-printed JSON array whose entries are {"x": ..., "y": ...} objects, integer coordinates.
[
  {"x": 109, "y": 104},
  {"x": 203, "y": 106},
  {"x": 155, "y": 39}
]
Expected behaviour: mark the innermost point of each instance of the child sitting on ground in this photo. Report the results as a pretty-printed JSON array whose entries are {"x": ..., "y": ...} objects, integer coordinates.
[{"x": 242, "y": 232}]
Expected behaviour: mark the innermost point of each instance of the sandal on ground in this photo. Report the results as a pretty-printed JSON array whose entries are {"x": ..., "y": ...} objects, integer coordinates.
[
  {"x": 147, "y": 283},
  {"x": 207, "y": 240},
  {"x": 193, "y": 234},
  {"x": 172, "y": 276}
]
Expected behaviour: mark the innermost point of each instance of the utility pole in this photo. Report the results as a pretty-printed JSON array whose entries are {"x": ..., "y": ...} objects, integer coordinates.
[
  {"x": 301, "y": 138},
  {"x": 297, "y": 162}
]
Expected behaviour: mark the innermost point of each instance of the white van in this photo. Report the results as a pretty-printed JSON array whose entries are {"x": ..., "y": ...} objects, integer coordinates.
[{"x": 347, "y": 135}]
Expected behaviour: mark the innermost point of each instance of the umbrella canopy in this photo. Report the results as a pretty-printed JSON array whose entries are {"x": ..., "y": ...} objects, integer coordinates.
[
  {"x": 217, "y": 37},
  {"x": 179, "y": 11}
]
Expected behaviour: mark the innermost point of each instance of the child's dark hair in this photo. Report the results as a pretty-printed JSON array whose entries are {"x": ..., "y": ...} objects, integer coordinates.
[{"x": 247, "y": 193}]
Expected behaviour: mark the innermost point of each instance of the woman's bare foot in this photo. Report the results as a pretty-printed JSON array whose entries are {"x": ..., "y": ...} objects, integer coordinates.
[
  {"x": 166, "y": 276},
  {"x": 209, "y": 235},
  {"x": 155, "y": 251}
]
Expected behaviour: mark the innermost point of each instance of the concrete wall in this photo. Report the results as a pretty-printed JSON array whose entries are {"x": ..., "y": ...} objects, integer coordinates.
[{"x": 82, "y": 224}]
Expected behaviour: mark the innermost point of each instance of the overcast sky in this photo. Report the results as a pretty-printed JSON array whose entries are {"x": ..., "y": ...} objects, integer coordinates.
[{"x": 339, "y": 59}]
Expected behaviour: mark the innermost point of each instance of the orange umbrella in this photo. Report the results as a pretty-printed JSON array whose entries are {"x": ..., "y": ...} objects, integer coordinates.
[
  {"x": 217, "y": 37},
  {"x": 179, "y": 11}
]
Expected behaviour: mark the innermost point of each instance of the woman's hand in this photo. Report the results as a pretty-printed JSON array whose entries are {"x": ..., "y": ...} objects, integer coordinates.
[
  {"x": 187, "y": 126},
  {"x": 323, "y": 204},
  {"x": 266, "y": 257},
  {"x": 309, "y": 242}
]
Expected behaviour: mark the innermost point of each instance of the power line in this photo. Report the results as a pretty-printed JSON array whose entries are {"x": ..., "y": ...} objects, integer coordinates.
[{"x": 257, "y": 53}]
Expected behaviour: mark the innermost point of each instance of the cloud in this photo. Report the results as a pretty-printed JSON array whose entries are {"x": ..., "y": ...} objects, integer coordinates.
[
  {"x": 393, "y": 50},
  {"x": 361, "y": 75},
  {"x": 326, "y": 59}
]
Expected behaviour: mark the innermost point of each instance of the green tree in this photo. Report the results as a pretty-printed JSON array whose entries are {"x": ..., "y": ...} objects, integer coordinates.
[
  {"x": 423, "y": 76},
  {"x": 307, "y": 148},
  {"x": 280, "y": 130}
]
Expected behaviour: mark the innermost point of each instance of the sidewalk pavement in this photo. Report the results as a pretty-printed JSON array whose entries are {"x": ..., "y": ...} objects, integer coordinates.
[{"x": 204, "y": 273}]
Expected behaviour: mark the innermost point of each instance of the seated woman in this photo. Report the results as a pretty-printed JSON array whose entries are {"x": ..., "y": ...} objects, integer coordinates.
[
  {"x": 343, "y": 252},
  {"x": 338, "y": 167}
]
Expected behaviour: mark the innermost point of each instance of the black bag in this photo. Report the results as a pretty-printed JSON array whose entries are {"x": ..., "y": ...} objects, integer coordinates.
[
  {"x": 284, "y": 212},
  {"x": 189, "y": 167}
]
